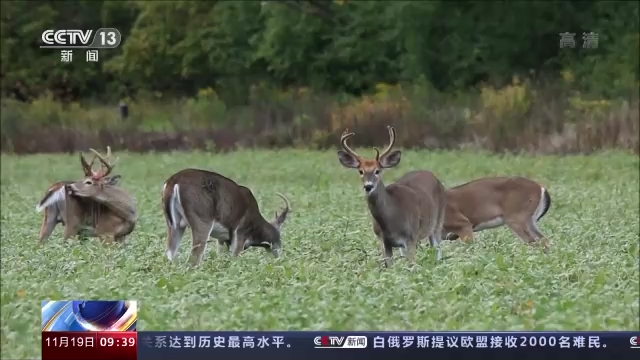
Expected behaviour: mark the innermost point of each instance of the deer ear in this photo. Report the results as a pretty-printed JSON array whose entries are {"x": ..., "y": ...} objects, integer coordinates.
[
  {"x": 391, "y": 159},
  {"x": 112, "y": 180},
  {"x": 347, "y": 160}
]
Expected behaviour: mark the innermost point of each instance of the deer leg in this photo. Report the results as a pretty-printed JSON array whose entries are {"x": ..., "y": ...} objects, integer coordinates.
[
  {"x": 519, "y": 228},
  {"x": 387, "y": 253},
  {"x": 199, "y": 245},
  {"x": 403, "y": 250},
  {"x": 200, "y": 235},
  {"x": 49, "y": 221},
  {"x": 435, "y": 242},
  {"x": 70, "y": 230},
  {"x": 411, "y": 247},
  {"x": 533, "y": 229},
  {"x": 237, "y": 243}
]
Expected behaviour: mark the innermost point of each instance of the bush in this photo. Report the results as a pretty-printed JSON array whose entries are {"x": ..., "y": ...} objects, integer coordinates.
[{"x": 516, "y": 117}]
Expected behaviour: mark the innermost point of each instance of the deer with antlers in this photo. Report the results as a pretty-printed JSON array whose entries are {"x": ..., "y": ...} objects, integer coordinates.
[
  {"x": 53, "y": 202},
  {"x": 217, "y": 207},
  {"x": 487, "y": 203},
  {"x": 94, "y": 206},
  {"x": 405, "y": 212}
]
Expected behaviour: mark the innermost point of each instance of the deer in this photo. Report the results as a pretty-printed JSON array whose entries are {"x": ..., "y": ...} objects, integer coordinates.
[
  {"x": 214, "y": 206},
  {"x": 406, "y": 212},
  {"x": 53, "y": 201},
  {"x": 487, "y": 203},
  {"x": 96, "y": 206}
]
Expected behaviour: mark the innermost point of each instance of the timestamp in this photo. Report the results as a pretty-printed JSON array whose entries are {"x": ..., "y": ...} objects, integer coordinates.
[{"x": 118, "y": 340}]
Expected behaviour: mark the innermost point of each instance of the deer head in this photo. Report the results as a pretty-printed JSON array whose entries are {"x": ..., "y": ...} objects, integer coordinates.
[
  {"x": 370, "y": 170},
  {"x": 95, "y": 180},
  {"x": 274, "y": 243},
  {"x": 278, "y": 220},
  {"x": 96, "y": 202}
]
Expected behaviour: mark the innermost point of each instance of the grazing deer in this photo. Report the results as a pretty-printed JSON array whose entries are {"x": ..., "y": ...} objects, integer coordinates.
[
  {"x": 405, "y": 212},
  {"x": 487, "y": 203},
  {"x": 215, "y": 206},
  {"x": 53, "y": 202},
  {"x": 97, "y": 206}
]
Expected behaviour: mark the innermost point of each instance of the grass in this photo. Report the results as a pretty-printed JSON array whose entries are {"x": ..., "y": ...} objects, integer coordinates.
[{"x": 330, "y": 275}]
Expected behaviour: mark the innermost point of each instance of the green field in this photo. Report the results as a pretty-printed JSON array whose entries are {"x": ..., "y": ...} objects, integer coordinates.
[{"x": 330, "y": 276}]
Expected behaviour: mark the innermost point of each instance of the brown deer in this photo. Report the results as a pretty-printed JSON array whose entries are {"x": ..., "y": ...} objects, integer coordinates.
[
  {"x": 97, "y": 206},
  {"x": 487, "y": 203},
  {"x": 215, "y": 206},
  {"x": 405, "y": 212},
  {"x": 53, "y": 202}
]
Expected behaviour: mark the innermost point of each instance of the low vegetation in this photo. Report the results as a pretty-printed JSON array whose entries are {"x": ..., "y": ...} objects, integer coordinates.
[{"x": 330, "y": 276}]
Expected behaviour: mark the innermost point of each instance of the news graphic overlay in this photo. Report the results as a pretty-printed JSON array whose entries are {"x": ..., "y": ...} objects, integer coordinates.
[
  {"x": 83, "y": 329},
  {"x": 103, "y": 38},
  {"x": 314, "y": 345},
  {"x": 340, "y": 342},
  {"x": 87, "y": 42}
]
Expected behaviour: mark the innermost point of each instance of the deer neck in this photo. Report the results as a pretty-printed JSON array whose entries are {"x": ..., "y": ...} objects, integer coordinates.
[
  {"x": 379, "y": 202},
  {"x": 95, "y": 214}
]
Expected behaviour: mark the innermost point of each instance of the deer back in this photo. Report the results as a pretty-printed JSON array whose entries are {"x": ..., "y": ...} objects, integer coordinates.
[
  {"x": 208, "y": 196},
  {"x": 488, "y": 198}
]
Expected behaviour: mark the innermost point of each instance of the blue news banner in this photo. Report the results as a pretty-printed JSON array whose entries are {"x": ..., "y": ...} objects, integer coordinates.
[{"x": 154, "y": 345}]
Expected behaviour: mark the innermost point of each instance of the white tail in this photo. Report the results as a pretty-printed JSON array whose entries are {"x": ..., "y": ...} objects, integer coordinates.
[
  {"x": 215, "y": 206},
  {"x": 54, "y": 210},
  {"x": 404, "y": 213},
  {"x": 54, "y": 194},
  {"x": 517, "y": 202}
]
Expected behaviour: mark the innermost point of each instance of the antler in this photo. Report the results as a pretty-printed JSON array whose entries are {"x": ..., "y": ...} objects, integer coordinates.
[
  {"x": 283, "y": 215},
  {"x": 392, "y": 140},
  {"x": 87, "y": 168},
  {"x": 107, "y": 167},
  {"x": 343, "y": 139}
]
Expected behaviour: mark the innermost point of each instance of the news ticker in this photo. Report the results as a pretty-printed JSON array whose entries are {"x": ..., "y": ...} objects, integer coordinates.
[{"x": 150, "y": 345}]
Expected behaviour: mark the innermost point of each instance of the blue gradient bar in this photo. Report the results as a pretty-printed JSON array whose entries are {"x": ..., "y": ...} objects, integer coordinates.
[{"x": 383, "y": 345}]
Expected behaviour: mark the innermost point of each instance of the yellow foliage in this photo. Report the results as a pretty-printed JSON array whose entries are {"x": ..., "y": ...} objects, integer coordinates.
[
  {"x": 386, "y": 99},
  {"x": 579, "y": 103},
  {"x": 579, "y": 107},
  {"x": 207, "y": 93},
  {"x": 567, "y": 76},
  {"x": 511, "y": 99}
]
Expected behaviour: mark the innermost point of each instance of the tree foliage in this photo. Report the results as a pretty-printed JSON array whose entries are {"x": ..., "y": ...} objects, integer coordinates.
[{"x": 175, "y": 48}]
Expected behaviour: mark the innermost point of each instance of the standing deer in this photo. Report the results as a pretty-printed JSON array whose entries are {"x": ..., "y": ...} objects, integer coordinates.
[
  {"x": 487, "y": 203},
  {"x": 97, "y": 206},
  {"x": 53, "y": 202},
  {"x": 405, "y": 212},
  {"x": 215, "y": 206}
]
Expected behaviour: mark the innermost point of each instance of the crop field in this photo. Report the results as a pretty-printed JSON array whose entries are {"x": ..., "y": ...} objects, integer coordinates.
[{"x": 330, "y": 275}]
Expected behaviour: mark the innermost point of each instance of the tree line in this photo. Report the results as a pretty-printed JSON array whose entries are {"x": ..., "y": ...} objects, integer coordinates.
[{"x": 175, "y": 48}]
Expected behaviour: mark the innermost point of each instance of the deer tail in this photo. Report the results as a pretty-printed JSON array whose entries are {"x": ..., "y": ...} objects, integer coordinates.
[
  {"x": 544, "y": 205},
  {"x": 54, "y": 194}
]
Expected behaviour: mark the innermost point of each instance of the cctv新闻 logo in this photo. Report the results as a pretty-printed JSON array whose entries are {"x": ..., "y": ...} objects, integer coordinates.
[
  {"x": 635, "y": 342},
  {"x": 67, "y": 37}
]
